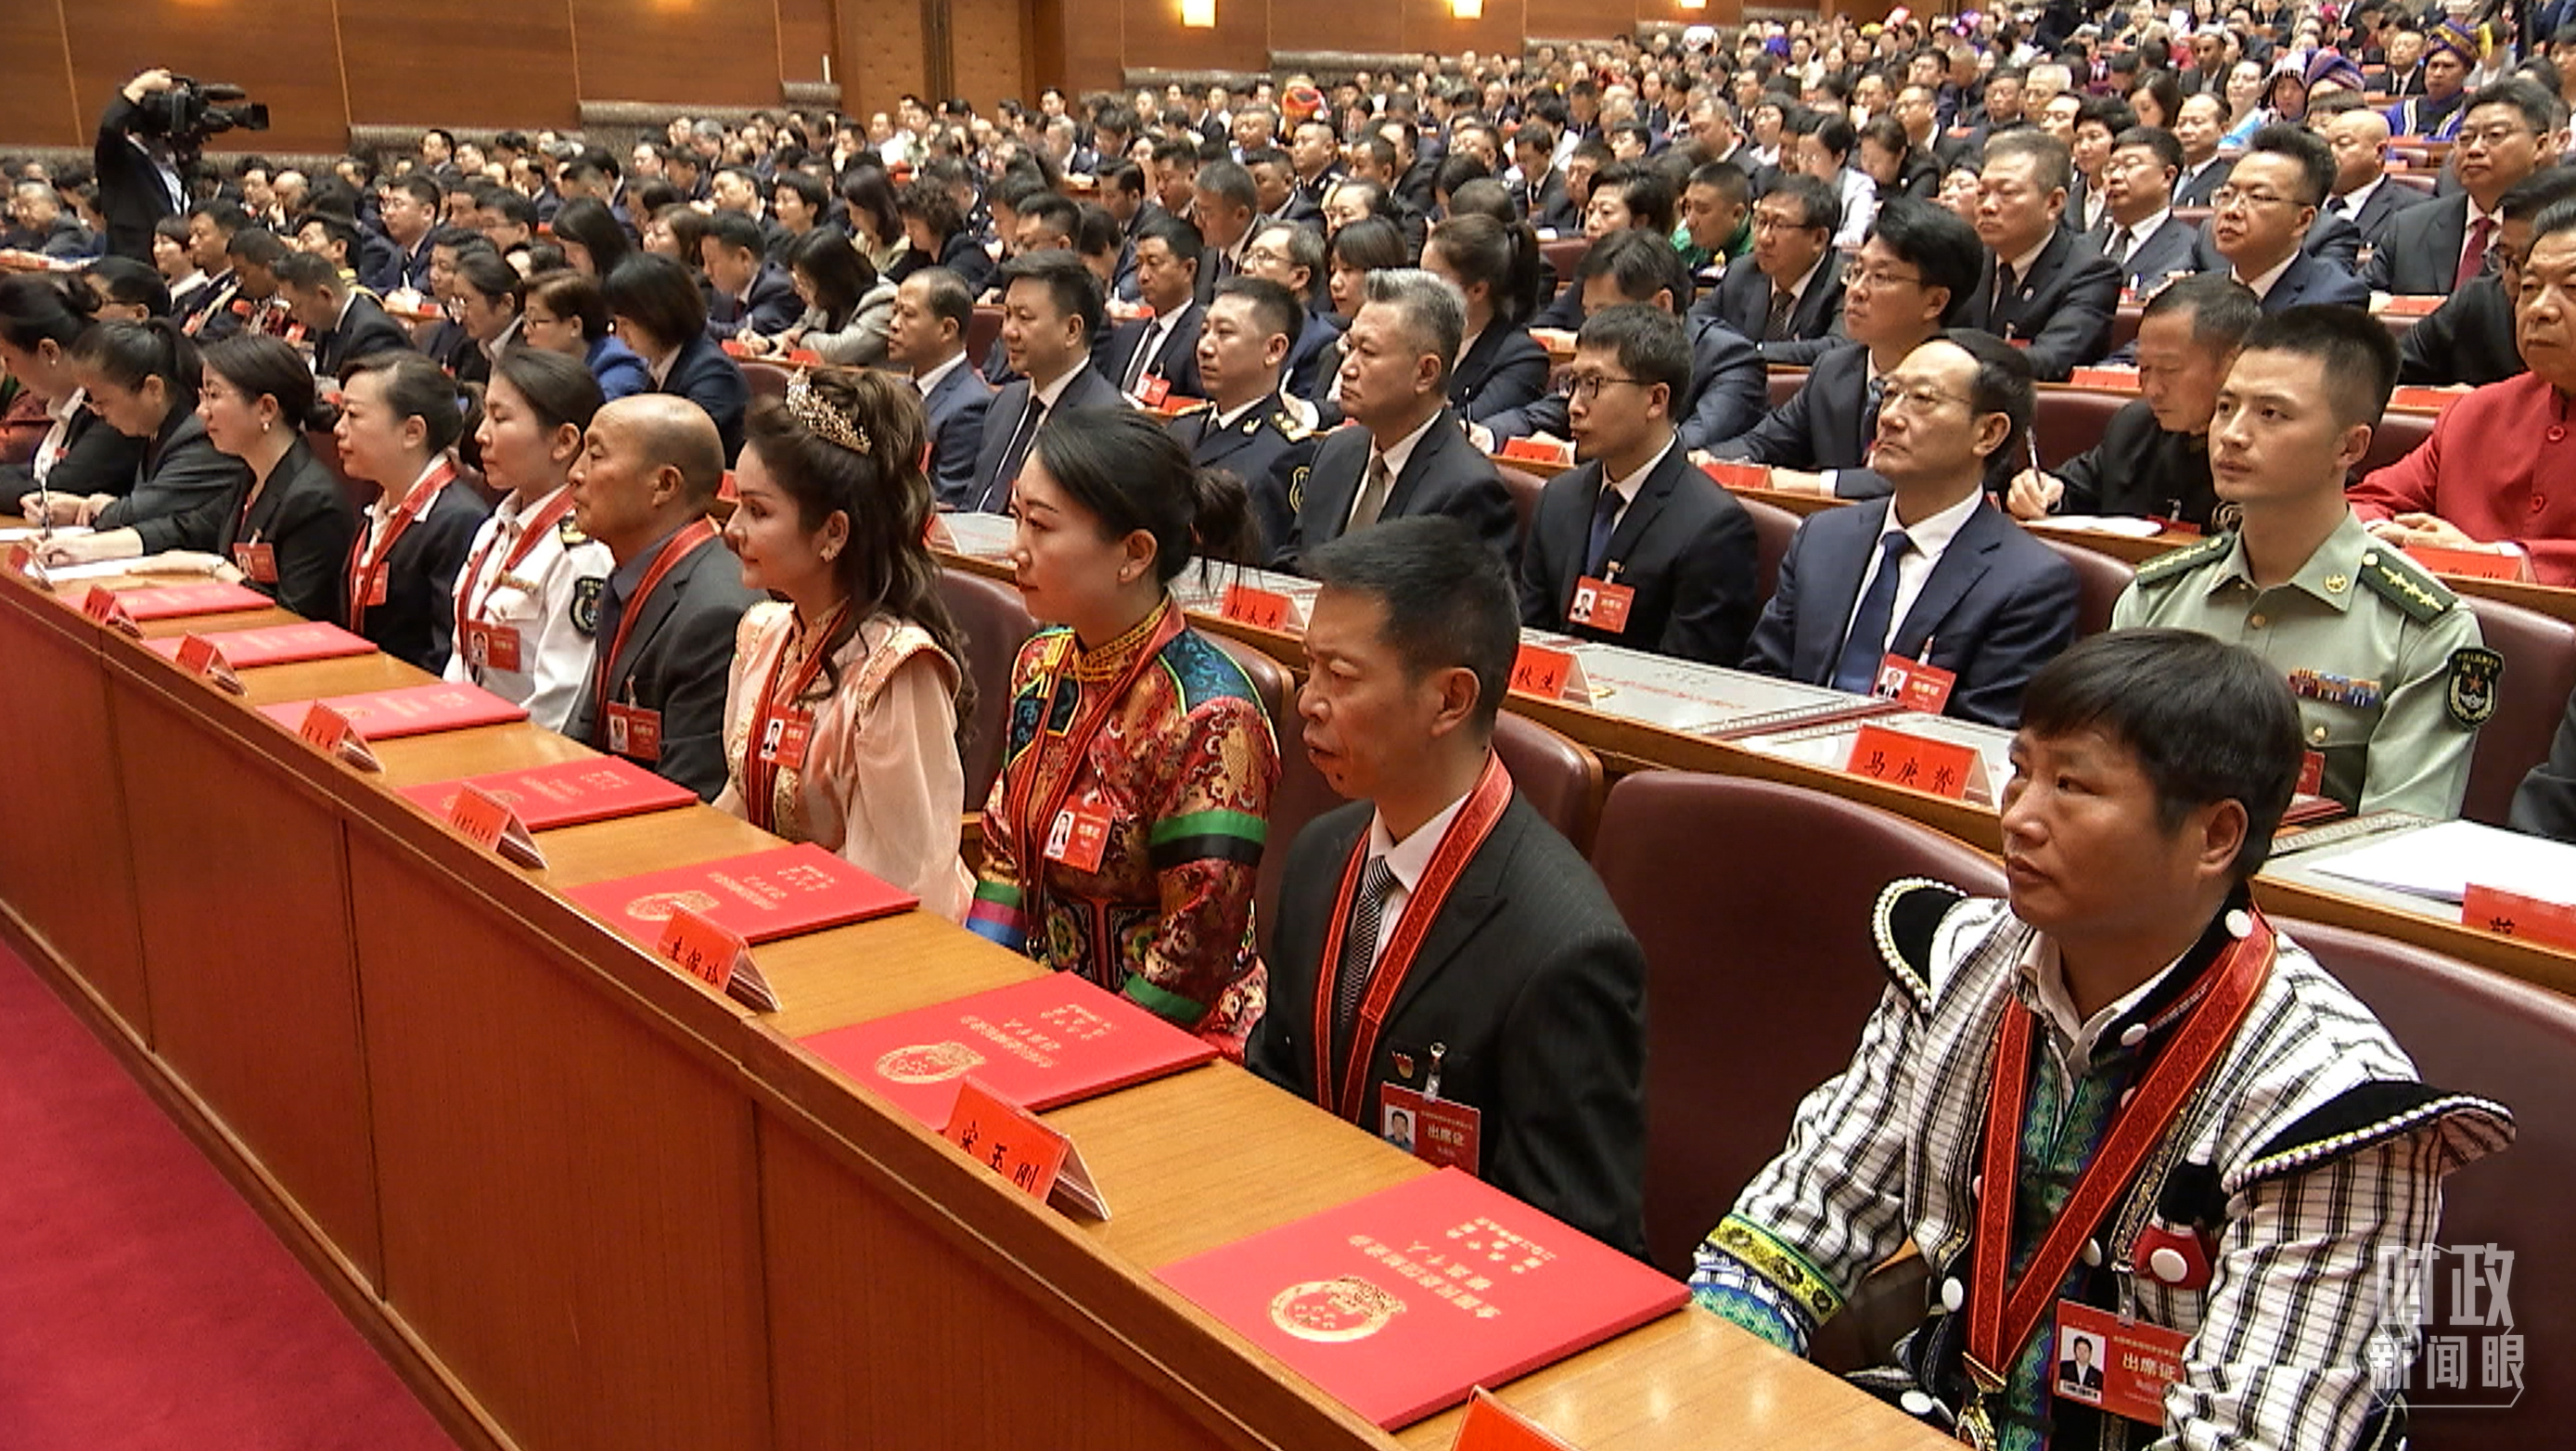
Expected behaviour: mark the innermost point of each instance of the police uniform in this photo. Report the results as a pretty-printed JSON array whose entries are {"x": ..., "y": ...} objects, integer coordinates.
[
  {"x": 1249, "y": 446},
  {"x": 2389, "y": 667},
  {"x": 548, "y": 597}
]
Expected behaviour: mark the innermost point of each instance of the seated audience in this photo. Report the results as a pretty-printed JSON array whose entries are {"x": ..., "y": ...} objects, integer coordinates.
[
  {"x": 42, "y": 320},
  {"x": 926, "y": 336},
  {"x": 751, "y": 295},
  {"x": 2264, "y": 212},
  {"x": 565, "y": 313},
  {"x": 1154, "y": 357},
  {"x": 2045, "y": 289},
  {"x": 1793, "y": 292},
  {"x": 342, "y": 323},
  {"x": 1051, "y": 306},
  {"x": 1495, "y": 269},
  {"x": 846, "y": 307},
  {"x": 1246, "y": 428},
  {"x": 142, "y": 379},
  {"x": 661, "y": 315},
  {"x": 400, "y": 420},
  {"x": 2511, "y": 129},
  {"x": 592, "y": 239},
  {"x": 2140, "y": 233},
  {"x": 2469, "y": 340}
]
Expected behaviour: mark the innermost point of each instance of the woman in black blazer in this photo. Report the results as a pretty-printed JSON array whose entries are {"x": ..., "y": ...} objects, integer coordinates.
[
  {"x": 142, "y": 379},
  {"x": 661, "y": 315},
  {"x": 291, "y": 536},
  {"x": 1496, "y": 268},
  {"x": 400, "y": 414},
  {"x": 42, "y": 319}
]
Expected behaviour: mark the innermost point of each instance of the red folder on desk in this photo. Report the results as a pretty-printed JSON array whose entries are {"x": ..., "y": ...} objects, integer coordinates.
[
  {"x": 173, "y": 601},
  {"x": 275, "y": 645},
  {"x": 1049, "y": 1041},
  {"x": 761, "y": 897},
  {"x": 569, "y": 793},
  {"x": 414, "y": 710},
  {"x": 1401, "y": 1303}
]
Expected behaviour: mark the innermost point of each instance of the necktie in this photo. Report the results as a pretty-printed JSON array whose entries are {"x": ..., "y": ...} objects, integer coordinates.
[
  {"x": 2003, "y": 294},
  {"x": 997, "y": 490},
  {"x": 1373, "y": 494},
  {"x": 1359, "y": 945},
  {"x": 1874, "y": 392},
  {"x": 1866, "y": 645},
  {"x": 2473, "y": 258},
  {"x": 2118, "y": 251},
  {"x": 1605, "y": 518},
  {"x": 1144, "y": 358},
  {"x": 1775, "y": 327}
]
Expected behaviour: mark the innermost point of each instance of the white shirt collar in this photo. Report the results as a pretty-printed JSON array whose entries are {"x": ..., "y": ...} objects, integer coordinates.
[
  {"x": 1224, "y": 421},
  {"x": 2145, "y": 229},
  {"x": 660, "y": 367},
  {"x": 2359, "y": 197},
  {"x": 932, "y": 379},
  {"x": 2021, "y": 265},
  {"x": 1411, "y": 857},
  {"x": 1052, "y": 391},
  {"x": 1799, "y": 292},
  {"x": 1933, "y": 535},
  {"x": 1627, "y": 487},
  {"x": 2047, "y": 971},
  {"x": 1397, "y": 453},
  {"x": 2263, "y": 284}
]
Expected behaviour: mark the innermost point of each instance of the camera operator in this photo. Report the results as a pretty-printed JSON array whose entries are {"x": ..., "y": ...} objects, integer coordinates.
[{"x": 148, "y": 142}]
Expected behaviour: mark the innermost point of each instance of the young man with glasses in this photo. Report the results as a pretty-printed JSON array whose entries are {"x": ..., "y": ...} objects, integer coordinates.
[
  {"x": 1794, "y": 288},
  {"x": 2512, "y": 128},
  {"x": 1934, "y": 574},
  {"x": 2264, "y": 212},
  {"x": 1918, "y": 259},
  {"x": 1631, "y": 547}
]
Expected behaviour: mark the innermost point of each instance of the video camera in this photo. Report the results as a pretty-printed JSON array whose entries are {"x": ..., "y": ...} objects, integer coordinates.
[{"x": 187, "y": 113}]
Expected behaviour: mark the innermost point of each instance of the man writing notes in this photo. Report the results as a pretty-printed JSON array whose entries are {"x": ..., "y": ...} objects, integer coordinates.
[
  {"x": 1633, "y": 547},
  {"x": 1933, "y": 573},
  {"x": 1441, "y": 951},
  {"x": 2117, "y": 1104},
  {"x": 2387, "y": 664},
  {"x": 650, "y": 466}
]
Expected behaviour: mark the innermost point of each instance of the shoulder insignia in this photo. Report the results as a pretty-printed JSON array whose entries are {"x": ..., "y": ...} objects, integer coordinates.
[
  {"x": 1903, "y": 923},
  {"x": 2388, "y": 573},
  {"x": 1194, "y": 410},
  {"x": 585, "y": 603},
  {"x": 2175, "y": 563},
  {"x": 2466, "y": 1126},
  {"x": 1297, "y": 487},
  {"x": 569, "y": 532},
  {"x": 2469, "y": 691}
]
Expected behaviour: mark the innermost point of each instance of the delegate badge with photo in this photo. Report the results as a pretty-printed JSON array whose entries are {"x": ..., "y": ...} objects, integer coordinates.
[
  {"x": 1435, "y": 1130},
  {"x": 2121, "y": 1370}
]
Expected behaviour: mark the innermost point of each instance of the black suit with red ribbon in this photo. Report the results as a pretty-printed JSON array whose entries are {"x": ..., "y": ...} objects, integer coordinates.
[{"x": 1532, "y": 985}]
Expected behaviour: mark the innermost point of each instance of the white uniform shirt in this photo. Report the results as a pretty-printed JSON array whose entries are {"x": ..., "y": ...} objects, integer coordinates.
[{"x": 551, "y": 598}]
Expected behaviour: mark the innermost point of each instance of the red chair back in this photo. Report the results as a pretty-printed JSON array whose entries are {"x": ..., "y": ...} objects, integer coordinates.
[{"x": 2539, "y": 674}]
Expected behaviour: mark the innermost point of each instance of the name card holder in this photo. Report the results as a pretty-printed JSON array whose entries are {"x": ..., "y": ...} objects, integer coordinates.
[
  {"x": 1492, "y": 1426},
  {"x": 1540, "y": 451},
  {"x": 1740, "y": 475},
  {"x": 1920, "y": 763},
  {"x": 329, "y": 732},
  {"x": 24, "y": 563},
  {"x": 2108, "y": 380},
  {"x": 2525, "y": 919},
  {"x": 489, "y": 822},
  {"x": 938, "y": 535},
  {"x": 2470, "y": 563},
  {"x": 716, "y": 957},
  {"x": 1550, "y": 675},
  {"x": 1009, "y": 1140},
  {"x": 199, "y": 657},
  {"x": 1262, "y": 609},
  {"x": 103, "y": 607}
]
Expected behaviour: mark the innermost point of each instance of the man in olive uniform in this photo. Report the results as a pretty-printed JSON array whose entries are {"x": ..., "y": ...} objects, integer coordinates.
[
  {"x": 1246, "y": 427},
  {"x": 2388, "y": 666}
]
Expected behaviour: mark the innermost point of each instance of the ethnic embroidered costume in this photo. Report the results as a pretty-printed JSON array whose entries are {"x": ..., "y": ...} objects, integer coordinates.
[{"x": 1180, "y": 767}]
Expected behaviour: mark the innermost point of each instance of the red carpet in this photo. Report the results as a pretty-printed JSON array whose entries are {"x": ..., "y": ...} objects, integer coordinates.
[{"x": 143, "y": 1305}]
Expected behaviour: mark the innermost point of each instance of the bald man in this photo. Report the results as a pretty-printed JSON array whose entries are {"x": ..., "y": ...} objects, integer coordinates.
[
  {"x": 2363, "y": 194},
  {"x": 649, "y": 470}
]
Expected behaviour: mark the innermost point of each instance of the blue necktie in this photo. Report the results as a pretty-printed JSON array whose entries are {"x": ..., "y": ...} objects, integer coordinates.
[
  {"x": 1605, "y": 518},
  {"x": 1866, "y": 645}
]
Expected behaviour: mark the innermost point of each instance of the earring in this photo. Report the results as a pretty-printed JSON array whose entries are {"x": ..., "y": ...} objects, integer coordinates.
[{"x": 264, "y": 424}]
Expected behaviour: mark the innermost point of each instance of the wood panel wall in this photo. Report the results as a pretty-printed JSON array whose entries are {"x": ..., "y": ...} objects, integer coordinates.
[{"x": 323, "y": 66}]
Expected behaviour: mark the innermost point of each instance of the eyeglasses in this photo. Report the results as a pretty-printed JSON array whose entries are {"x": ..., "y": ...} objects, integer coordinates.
[
  {"x": 2227, "y": 197},
  {"x": 1584, "y": 387},
  {"x": 1896, "y": 393},
  {"x": 2491, "y": 137},
  {"x": 1856, "y": 275}
]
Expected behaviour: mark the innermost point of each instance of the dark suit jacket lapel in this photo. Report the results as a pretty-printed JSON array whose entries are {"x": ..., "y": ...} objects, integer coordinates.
[
  {"x": 1478, "y": 360},
  {"x": 1475, "y": 897},
  {"x": 655, "y": 611},
  {"x": 1653, "y": 493},
  {"x": 1960, "y": 567},
  {"x": 1436, "y": 440},
  {"x": 1835, "y": 587},
  {"x": 1331, "y": 492}
]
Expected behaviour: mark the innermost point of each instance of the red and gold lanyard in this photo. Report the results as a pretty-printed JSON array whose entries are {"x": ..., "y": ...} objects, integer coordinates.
[
  {"x": 678, "y": 547},
  {"x": 1026, "y": 790},
  {"x": 532, "y": 529},
  {"x": 367, "y": 566},
  {"x": 759, "y": 772},
  {"x": 1345, "y": 1092},
  {"x": 2002, "y": 1315}
]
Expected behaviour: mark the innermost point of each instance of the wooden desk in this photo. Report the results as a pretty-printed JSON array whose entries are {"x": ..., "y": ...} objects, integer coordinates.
[{"x": 581, "y": 1202}]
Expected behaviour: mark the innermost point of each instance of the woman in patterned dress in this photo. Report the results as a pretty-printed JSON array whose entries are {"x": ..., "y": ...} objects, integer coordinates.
[{"x": 1124, "y": 833}]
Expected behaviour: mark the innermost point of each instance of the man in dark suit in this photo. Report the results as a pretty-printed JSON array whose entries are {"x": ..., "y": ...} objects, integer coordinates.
[
  {"x": 2364, "y": 195},
  {"x": 1917, "y": 259},
  {"x": 1050, "y": 305},
  {"x": 2079, "y": 1375},
  {"x": 1245, "y": 427},
  {"x": 1794, "y": 289},
  {"x": 2139, "y": 232},
  {"x": 649, "y": 471},
  {"x": 1441, "y": 950},
  {"x": 2200, "y": 126},
  {"x": 340, "y": 322},
  {"x": 1225, "y": 202},
  {"x": 2045, "y": 289},
  {"x": 2432, "y": 250},
  {"x": 2470, "y": 338},
  {"x": 1541, "y": 197},
  {"x": 1635, "y": 546},
  {"x": 926, "y": 336},
  {"x": 138, "y": 178},
  {"x": 2269, "y": 203},
  {"x": 1935, "y": 574},
  {"x": 1152, "y": 357},
  {"x": 1409, "y": 454},
  {"x": 751, "y": 294},
  {"x": 2153, "y": 460}
]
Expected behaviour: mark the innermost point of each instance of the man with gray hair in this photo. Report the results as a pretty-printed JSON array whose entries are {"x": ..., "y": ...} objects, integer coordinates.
[
  {"x": 1410, "y": 453},
  {"x": 1226, "y": 205}
]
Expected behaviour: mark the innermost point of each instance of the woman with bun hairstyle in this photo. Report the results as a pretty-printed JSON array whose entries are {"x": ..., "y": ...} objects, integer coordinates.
[
  {"x": 142, "y": 378},
  {"x": 1124, "y": 834},
  {"x": 527, "y": 601},
  {"x": 400, "y": 415},
  {"x": 75, "y": 453},
  {"x": 843, "y": 708}
]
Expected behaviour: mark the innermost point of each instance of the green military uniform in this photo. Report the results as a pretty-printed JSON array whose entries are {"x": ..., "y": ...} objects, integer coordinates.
[
  {"x": 2391, "y": 675},
  {"x": 1249, "y": 447}
]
